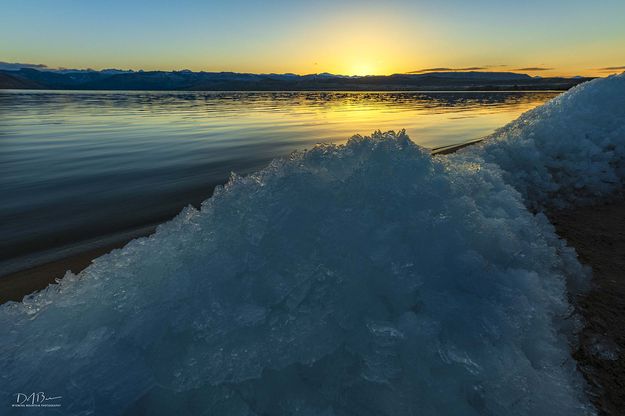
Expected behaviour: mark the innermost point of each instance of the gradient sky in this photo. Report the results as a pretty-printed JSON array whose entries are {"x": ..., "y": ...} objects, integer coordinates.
[{"x": 568, "y": 37}]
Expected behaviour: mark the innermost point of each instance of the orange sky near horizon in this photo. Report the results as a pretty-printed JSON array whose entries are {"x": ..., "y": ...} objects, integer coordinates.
[{"x": 349, "y": 37}]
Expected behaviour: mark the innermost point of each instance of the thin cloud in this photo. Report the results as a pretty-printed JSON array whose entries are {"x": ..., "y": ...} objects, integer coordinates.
[
  {"x": 534, "y": 68},
  {"x": 14, "y": 66},
  {"x": 471, "y": 68},
  {"x": 612, "y": 68},
  {"x": 447, "y": 69}
]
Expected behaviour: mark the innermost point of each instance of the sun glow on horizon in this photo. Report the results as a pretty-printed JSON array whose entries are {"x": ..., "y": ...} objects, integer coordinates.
[
  {"x": 350, "y": 38},
  {"x": 363, "y": 68}
]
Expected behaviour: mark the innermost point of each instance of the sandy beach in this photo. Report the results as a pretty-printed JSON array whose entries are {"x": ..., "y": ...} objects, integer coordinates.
[
  {"x": 14, "y": 286},
  {"x": 597, "y": 233}
]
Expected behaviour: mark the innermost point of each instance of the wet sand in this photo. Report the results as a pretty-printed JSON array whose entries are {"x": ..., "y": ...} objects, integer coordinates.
[
  {"x": 597, "y": 233},
  {"x": 15, "y": 286}
]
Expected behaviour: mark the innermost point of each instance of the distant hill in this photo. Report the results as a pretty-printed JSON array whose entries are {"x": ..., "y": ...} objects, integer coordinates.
[
  {"x": 10, "y": 82},
  {"x": 232, "y": 81}
]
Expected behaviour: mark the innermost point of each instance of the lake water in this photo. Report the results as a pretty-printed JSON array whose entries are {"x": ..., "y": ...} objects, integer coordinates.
[{"x": 83, "y": 168}]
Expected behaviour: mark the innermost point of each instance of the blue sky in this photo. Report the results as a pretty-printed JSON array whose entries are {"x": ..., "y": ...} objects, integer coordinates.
[{"x": 349, "y": 37}]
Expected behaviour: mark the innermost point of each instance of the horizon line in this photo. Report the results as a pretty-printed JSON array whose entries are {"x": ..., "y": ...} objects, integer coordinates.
[{"x": 519, "y": 71}]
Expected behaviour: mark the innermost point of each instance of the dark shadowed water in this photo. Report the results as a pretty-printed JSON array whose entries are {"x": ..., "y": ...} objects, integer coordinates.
[{"x": 81, "y": 168}]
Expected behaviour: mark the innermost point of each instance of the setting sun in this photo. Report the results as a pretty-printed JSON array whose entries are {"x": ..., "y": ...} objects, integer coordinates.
[{"x": 363, "y": 68}]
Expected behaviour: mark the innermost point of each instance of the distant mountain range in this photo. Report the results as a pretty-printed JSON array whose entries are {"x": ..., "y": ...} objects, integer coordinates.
[{"x": 110, "y": 79}]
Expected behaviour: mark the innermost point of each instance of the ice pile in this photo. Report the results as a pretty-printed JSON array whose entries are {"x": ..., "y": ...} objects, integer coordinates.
[
  {"x": 364, "y": 279},
  {"x": 570, "y": 150}
]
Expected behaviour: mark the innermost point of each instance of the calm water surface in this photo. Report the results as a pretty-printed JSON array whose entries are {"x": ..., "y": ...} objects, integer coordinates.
[{"x": 82, "y": 167}]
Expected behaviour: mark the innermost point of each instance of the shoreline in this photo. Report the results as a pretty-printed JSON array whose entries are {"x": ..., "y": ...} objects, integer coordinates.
[
  {"x": 597, "y": 233},
  {"x": 15, "y": 285}
]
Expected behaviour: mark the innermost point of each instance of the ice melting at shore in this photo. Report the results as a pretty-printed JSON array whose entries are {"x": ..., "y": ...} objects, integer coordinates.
[
  {"x": 570, "y": 150},
  {"x": 365, "y": 279}
]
